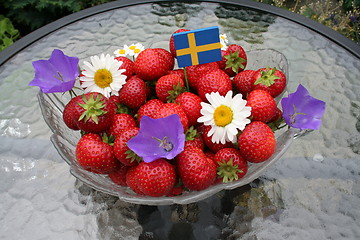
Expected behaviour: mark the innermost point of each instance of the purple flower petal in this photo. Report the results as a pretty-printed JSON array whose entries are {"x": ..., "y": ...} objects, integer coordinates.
[
  {"x": 147, "y": 143},
  {"x": 302, "y": 111},
  {"x": 58, "y": 74}
]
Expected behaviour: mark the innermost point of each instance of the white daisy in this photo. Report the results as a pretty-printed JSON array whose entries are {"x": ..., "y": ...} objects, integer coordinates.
[
  {"x": 226, "y": 116},
  {"x": 223, "y": 41},
  {"x": 103, "y": 75},
  {"x": 135, "y": 49},
  {"x": 122, "y": 52}
]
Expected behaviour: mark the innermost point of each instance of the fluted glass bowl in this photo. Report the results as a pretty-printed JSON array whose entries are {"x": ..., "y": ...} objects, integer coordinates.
[{"x": 65, "y": 140}]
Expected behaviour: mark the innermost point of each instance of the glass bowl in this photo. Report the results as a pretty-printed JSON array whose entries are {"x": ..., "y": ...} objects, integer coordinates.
[{"x": 65, "y": 140}]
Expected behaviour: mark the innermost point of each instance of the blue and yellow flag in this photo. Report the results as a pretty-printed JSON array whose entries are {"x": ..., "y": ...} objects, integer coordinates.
[{"x": 198, "y": 46}]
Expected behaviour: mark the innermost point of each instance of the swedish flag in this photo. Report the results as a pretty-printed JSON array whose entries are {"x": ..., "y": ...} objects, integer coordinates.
[{"x": 198, "y": 46}]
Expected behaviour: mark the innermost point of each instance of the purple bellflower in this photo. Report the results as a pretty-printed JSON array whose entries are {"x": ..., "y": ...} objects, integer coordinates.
[
  {"x": 58, "y": 74},
  {"x": 302, "y": 111},
  {"x": 158, "y": 138}
]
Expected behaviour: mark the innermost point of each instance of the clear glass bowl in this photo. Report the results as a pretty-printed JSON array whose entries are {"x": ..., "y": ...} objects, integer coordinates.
[{"x": 65, "y": 140}]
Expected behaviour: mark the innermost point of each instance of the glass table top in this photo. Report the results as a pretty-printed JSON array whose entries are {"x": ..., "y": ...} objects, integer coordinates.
[{"x": 311, "y": 193}]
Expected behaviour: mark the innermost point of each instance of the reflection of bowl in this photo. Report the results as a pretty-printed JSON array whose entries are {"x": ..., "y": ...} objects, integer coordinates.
[{"x": 65, "y": 140}]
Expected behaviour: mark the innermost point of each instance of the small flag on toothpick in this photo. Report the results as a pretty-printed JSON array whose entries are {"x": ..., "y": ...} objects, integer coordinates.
[{"x": 198, "y": 46}]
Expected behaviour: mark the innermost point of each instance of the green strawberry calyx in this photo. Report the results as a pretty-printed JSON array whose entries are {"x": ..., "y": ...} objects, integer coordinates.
[
  {"x": 191, "y": 133},
  {"x": 176, "y": 91},
  {"x": 268, "y": 77},
  {"x": 93, "y": 108},
  {"x": 228, "y": 171},
  {"x": 130, "y": 154},
  {"x": 234, "y": 61}
]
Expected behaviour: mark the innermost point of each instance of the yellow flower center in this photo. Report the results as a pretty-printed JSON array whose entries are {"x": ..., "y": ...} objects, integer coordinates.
[
  {"x": 223, "y": 115},
  {"x": 137, "y": 50},
  {"x": 103, "y": 78},
  {"x": 122, "y": 51},
  {"x": 132, "y": 47}
]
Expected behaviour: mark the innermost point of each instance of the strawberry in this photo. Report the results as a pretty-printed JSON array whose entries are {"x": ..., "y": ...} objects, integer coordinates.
[
  {"x": 168, "y": 58},
  {"x": 119, "y": 176},
  {"x": 263, "y": 105},
  {"x": 243, "y": 82},
  {"x": 269, "y": 79},
  {"x": 128, "y": 65},
  {"x": 132, "y": 180},
  {"x": 122, "y": 151},
  {"x": 150, "y": 109},
  {"x": 257, "y": 142},
  {"x": 191, "y": 103},
  {"x": 150, "y": 65},
  {"x": 214, "y": 81},
  {"x": 156, "y": 178},
  {"x": 234, "y": 60},
  {"x": 230, "y": 164},
  {"x": 172, "y": 108},
  {"x": 168, "y": 87},
  {"x": 195, "y": 72},
  {"x": 115, "y": 99},
  {"x": 214, "y": 147},
  {"x": 195, "y": 170},
  {"x": 68, "y": 115},
  {"x": 91, "y": 112},
  {"x": 94, "y": 155},
  {"x": 121, "y": 122},
  {"x": 133, "y": 93},
  {"x": 171, "y": 41},
  {"x": 179, "y": 72}
]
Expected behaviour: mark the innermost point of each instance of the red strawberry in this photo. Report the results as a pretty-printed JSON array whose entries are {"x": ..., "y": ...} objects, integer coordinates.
[
  {"x": 195, "y": 72},
  {"x": 121, "y": 122},
  {"x": 68, "y": 115},
  {"x": 91, "y": 112},
  {"x": 277, "y": 116},
  {"x": 168, "y": 87},
  {"x": 269, "y": 79},
  {"x": 230, "y": 164},
  {"x": 128, "y": 65},
  {"x": 119, "y": 176},
  {"x": 156, "y": 178},
  {"x": 133, "y": 93},
  {"x": 179, "y": 72},
  {"x": 95, "y": 155},
  {"x": 115, "y": 99},
  {"x": 195, "y": 170},
  {"x": 150, "y": 109},
  {"x": 257, "y": 142},
  {"x": 214, "y": 147},
  {"x": 132, "y": 180},
  {"x": 150, "y": 65},
  {"x": 172, "y": 108},
  {"x": 234, "y": 59},
  {"x": 171, "y": 41},
  {"x": 214, "y": 81},
  {"x": 263, "y": 105},
  {"x": 169, "y": 59},
  {"x": 243, "y": 82},
  {"x": 222, "y": 62},
  {"x": 122, "y": 151},
  {"x": 191, "y": 103}
]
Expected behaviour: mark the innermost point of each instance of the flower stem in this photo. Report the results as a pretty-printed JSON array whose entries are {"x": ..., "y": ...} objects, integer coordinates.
[{"x": 186, "y": 80}]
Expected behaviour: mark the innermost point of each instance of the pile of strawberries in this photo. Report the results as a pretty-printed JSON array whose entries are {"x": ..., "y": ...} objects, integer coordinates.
[{"x": 154, "y": 88}]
